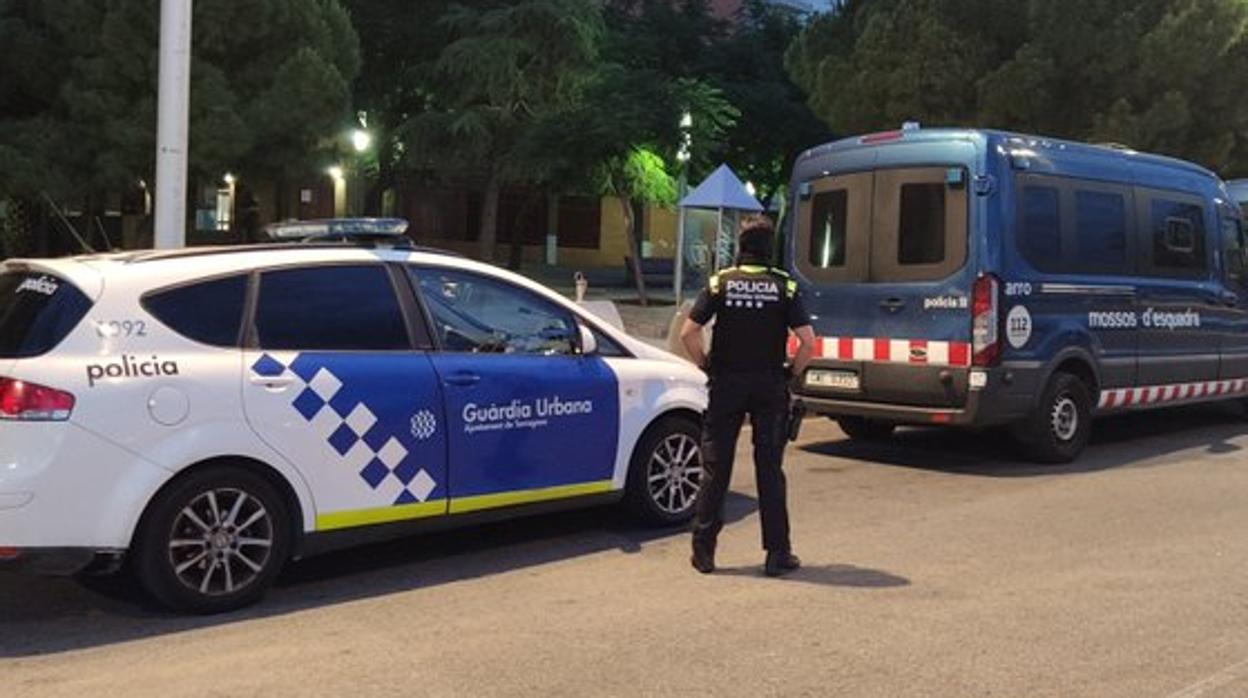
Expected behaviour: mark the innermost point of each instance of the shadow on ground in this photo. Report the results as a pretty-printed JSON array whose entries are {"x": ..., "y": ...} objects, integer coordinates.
[
  {"x": 1119, "y": 441},
  {"x": 48, "y": 615},
  {"x": 826, "y": 575}
]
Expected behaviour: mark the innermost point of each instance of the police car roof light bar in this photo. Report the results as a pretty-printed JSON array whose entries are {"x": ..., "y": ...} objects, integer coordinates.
[{"x": 391, "y": 230}]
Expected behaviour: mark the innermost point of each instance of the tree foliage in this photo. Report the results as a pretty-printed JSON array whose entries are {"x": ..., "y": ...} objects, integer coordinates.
[
  {"x": 504, "y": 67},
  {"x": 1159, "y": 75},
  {"x": 270, "y": 82}
]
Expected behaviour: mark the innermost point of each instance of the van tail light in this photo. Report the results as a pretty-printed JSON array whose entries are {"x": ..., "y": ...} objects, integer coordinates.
[
  {"x": 985, "y": 321},
  {"x": 28, "y": 402}
]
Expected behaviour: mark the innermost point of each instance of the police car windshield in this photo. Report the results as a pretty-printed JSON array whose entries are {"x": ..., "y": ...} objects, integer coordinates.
[{"x": 37, "y": 311}]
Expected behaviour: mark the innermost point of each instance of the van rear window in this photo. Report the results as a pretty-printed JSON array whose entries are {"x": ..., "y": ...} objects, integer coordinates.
[
  {"x": 827, "y": 245},
  {"x": 37, "y": 311},
  {"x": 921, "y": 235}
]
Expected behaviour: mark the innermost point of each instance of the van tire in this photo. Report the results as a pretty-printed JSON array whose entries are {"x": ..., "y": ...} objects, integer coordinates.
[
  {"x": 863, "y": 429},
  {"x": 1059, "y": 429},
  {"x": 265, "y": 540},
  {"x": 664, "y": 507}
]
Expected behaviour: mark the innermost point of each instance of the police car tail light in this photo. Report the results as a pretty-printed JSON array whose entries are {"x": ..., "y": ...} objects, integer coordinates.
[
  {"x": 985, "y": 338},
  {"x": 29, "y": 402}
]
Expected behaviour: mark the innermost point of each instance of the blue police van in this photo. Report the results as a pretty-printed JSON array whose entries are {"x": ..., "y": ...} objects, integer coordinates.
[{"x": 980, "y": 278}]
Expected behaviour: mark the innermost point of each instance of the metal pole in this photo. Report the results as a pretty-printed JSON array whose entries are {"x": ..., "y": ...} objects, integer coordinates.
[
  {"x": 678, "y": 280},
  {"x": 173, "y": 123}
]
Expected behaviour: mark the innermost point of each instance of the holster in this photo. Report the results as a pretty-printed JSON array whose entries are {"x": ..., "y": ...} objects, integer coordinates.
[{"x": 797, "y": 412}]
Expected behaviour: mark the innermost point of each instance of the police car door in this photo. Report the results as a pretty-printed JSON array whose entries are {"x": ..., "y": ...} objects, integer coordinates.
[
  {"x": 1235, "y": 296},
  {"x": 339, "y": 384},
  {"x": 528, "y": 417}
]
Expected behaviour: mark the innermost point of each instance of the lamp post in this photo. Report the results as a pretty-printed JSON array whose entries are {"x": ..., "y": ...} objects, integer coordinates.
[
  {"x": 174, "y": 98},
  {"x": 361, "y": 141},
  {"x": 682, "y": 156}
]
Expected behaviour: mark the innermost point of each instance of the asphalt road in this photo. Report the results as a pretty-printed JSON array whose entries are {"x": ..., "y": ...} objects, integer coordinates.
[{"x": 936, "y": 565}]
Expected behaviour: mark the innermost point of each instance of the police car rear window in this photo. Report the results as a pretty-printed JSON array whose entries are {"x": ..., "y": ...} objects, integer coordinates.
[
  {"x": 210, "y": 311},
  {"x": 37, "y": 311}
]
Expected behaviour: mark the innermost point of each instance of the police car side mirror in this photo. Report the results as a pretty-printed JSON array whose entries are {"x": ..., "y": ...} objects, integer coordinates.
[{"x": 589, "y": 343}]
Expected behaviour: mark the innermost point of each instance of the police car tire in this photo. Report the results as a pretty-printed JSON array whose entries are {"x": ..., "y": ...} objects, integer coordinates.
[
  {"x": 151, "y": 559},
  {"x": 637, "y": 498},
  {"x": 1039, "y": 435},
  {"x": 863, "y": 429}
]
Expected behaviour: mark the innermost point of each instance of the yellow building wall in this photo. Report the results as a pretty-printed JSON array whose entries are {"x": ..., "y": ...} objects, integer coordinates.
[{"x": 659, "y": 226}]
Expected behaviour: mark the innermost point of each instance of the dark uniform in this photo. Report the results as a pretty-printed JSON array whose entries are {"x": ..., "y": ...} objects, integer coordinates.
[{"x": 754, "y": 307}]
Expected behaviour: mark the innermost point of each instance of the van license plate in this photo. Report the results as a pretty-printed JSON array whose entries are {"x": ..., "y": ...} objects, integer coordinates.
[{"x": 837, "y": 380}]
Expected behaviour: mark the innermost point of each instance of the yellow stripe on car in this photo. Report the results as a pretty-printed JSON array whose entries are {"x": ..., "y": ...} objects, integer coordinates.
[{"x": 406, "y": 512}]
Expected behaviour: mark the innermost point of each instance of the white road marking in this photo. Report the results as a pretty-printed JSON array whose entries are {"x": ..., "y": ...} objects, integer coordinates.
[{"x": 1229, "y": 675}]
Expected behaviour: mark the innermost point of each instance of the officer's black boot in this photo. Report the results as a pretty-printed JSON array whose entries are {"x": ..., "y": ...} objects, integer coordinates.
[
  {"x": 780, "y": 563},
  {"x": 703, "y": 558}
]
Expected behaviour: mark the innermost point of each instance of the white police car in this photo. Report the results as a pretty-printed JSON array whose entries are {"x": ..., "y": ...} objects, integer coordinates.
[{"x": 207, "y": 414}]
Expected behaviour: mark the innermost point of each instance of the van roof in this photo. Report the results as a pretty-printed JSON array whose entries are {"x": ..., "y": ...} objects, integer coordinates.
[{"x": 1006, "y": 139}]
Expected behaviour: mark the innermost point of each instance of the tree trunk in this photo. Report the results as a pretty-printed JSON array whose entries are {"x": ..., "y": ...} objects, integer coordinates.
[
  {"x": 489, "y": 220},
  {"x": 634, "y": 249},
  {"x": 530, "y": 208}
]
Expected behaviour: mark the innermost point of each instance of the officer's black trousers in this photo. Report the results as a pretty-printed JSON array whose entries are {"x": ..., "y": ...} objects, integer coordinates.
[{"x": 765, "y": 397}]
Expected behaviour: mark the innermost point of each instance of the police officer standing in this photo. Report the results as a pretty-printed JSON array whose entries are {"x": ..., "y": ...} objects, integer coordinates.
[{"x": 754, "y": 306}]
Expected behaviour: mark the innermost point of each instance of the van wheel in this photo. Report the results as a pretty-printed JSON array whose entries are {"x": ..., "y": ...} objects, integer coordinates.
[
  {"x": 863, "y": 429},
  {"x": 1058, "y": 431},
  {"x": 665, "y": 473},
  {"x": 213, "y": 542}
]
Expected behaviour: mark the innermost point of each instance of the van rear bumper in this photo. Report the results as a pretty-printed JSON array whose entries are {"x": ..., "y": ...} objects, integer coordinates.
[{"x": 1009, "y": 394}]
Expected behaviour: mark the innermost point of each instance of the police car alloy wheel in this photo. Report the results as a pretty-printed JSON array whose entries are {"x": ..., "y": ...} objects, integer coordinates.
[
  {"x": 213, "y": 541},
  {"x": 666, "y": 472}
]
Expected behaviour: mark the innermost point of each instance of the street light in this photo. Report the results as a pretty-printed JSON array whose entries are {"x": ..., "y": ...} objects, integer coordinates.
[
  {"x": 683, "y": 155},
  {"x": 361, "y": 140},
  {"x": 228, "y": 178},
  {"x": 335, "y": 173}
]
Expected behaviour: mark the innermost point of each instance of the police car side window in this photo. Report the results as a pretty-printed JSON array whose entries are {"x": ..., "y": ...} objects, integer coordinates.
[
  {"x": 209, "y": 312},
  {"x": 476, "y": 314},
  {"x": 330, "y": 308}
]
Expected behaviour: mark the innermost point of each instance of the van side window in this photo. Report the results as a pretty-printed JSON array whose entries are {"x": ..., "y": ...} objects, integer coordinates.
[
  {"x": 1233, "y": 250},
  {"x": 1101, "y": 229},
  {"x": 921, "y": 229},
  {"x": 827, "y": 245},
  {"x": 1178, "y": 233},
  {"x": 1040, "y": 232}
]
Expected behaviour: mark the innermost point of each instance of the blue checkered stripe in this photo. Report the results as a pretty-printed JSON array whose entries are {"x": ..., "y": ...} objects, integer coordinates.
[{"x": 351, "y": 429}]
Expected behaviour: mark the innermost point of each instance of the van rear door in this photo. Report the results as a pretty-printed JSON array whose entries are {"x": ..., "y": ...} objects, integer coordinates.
[{"x": 886, "y": 254}]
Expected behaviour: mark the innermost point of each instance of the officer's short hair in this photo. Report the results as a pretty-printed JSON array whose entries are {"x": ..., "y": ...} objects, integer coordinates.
[{"x": 757, "y": 236}]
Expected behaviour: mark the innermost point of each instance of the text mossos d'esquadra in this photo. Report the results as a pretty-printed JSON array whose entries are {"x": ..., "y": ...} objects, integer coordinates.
[
  {"x": 1129, "y": 319},
  {"x": 519, "y": 414}
]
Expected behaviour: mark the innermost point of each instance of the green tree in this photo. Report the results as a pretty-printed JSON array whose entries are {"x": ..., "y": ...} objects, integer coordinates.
[
  {"x": 269, "y": 85},
  {"x": 1159, "y": 75},
  {"x": 507, "y": 66},
  {"x": 775, "y": 123}
]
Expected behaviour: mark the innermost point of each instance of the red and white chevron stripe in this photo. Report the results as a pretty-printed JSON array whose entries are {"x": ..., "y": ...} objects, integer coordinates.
[
  {"x": 914, "y": 352},
  {"x": 1119, "y": 398}
]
